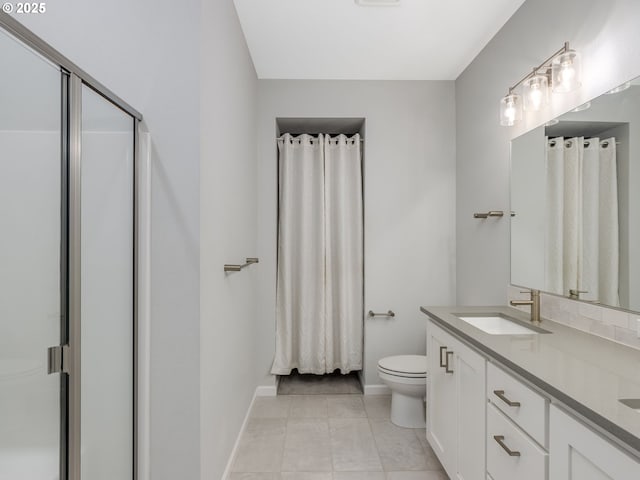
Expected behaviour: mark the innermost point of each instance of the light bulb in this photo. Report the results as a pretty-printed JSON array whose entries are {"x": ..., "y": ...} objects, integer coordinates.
[
  {"x": 536, "y": 92},
  {"x": 510, "y": 109},
  {"x": 567, "y": 74},
  {"x": 510, "y": 112}
]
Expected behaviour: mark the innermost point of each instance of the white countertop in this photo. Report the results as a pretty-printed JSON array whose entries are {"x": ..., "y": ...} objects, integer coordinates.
[{"x": 586, "y": 373}]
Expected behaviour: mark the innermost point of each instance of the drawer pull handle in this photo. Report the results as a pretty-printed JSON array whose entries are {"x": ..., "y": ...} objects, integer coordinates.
[
  {"x": 500, "y": 440},
  {"x": 442, "y": 349},
  {"x": 446, "y": 367},
  {"x": 500, "y": 395}
]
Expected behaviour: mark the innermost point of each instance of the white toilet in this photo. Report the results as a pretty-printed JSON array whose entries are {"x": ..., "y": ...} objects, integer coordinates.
[{"x": 406, "y": 376}]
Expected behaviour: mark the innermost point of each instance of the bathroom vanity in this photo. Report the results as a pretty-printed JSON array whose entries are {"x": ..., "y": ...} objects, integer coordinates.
[{"x": 529, "y": 406}]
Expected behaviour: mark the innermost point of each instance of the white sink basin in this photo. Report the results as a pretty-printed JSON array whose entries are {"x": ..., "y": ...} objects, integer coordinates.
[{"x": 497, "y": 325}]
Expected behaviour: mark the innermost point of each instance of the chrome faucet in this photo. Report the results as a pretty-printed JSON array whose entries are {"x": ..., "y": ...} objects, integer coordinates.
[{"x": 534, "y": 303}]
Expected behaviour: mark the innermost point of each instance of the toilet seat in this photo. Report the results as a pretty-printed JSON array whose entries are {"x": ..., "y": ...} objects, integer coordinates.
[{"x": 407, "y": 366}]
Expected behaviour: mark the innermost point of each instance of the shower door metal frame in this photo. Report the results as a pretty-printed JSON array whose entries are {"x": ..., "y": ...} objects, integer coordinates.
[{"x": 72, "y": 80}]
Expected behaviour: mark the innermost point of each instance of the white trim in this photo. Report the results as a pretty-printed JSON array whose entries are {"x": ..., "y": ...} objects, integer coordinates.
[
  {"x": 377, "y": 390},
  {"x": 266, "y": 391},
  {"x": 232, "y": 455},
  {"x": 144, "y": 305}
]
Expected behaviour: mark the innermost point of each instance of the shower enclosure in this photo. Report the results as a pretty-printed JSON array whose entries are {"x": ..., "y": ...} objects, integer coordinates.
[{"x": 67, "y": 268}]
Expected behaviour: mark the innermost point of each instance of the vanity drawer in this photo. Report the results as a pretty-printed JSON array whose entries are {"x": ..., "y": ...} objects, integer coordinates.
[
  {"x": 503, "y": 436},
  {"x": 532, "y": 412}
]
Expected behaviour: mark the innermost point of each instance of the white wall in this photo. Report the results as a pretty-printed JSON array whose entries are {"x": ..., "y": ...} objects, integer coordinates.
[
  {"x": 228, "y": 233},
  {"x": 607, "y": 35},
  {"x": 147, "y": 52},
  {"x": 409, "y": 186}
]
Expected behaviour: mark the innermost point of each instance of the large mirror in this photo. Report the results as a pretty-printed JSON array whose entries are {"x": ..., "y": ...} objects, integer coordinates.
[{"x": 575, "y": 194}]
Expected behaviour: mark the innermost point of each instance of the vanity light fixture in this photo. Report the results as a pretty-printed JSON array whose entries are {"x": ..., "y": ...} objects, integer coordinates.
[
  {"x": 561, "y": 73},
  {"x": 619, "y": 88}
]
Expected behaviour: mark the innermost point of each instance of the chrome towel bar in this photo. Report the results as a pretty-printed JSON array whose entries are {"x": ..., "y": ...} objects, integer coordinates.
[
  {"x": 490, "y": 213},
  {"x": 237, "y": 268},
  {"x": 372, "y": 314}
]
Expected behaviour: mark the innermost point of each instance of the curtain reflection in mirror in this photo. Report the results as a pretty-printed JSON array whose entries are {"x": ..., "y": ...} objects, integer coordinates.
[{"x": 582, "y": 247}]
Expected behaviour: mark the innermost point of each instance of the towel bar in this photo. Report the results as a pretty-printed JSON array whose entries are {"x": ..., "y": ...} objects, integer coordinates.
[
  {"x": 237, "y": 268},
  {"x": 491, "y": 213}
]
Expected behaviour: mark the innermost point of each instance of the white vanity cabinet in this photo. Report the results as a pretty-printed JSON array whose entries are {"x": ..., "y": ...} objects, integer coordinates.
[
  {"x": 485, "y": 422},
  {"x": 456, "y": 401},
  {"x": 517, "y": 419},
  {"x": 578, "y": 453}
]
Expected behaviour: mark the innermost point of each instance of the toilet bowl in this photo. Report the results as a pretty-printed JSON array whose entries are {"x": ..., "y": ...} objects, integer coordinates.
[{"x": 406, "y": 376}]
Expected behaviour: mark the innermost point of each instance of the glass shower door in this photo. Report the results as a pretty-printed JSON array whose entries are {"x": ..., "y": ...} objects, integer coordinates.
[{"x": 30, "y": 263}]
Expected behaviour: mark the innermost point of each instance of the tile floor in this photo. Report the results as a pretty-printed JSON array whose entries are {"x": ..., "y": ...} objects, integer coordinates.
[{"x": 331, "y": 437}]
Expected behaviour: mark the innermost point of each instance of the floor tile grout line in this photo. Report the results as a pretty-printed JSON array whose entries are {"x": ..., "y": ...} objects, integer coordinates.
[
  {"x": 284, "y": 440},
  {"x": 375, "y": 441}
]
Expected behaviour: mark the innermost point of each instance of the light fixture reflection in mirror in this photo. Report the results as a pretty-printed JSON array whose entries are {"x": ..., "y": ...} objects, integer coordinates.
[
  {"x": 620, "y": 88},
  {"x": 584, "y": 106}
]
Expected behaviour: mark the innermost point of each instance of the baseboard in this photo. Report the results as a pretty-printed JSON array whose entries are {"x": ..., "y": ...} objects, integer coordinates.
[
  {"x": 232, "y": 455},
  {"x": 266, "y": 391},
  {"x": 377, "y": 390}
]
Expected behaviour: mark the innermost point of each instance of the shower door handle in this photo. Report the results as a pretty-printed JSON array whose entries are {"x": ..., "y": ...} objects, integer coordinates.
[{"x": 56, "y": 362}]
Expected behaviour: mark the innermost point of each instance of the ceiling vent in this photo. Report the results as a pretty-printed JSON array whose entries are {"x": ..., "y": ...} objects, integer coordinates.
[{"x": 378, "y": 3}]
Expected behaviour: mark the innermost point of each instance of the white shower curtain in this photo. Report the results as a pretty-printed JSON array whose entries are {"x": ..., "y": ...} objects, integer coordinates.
[
  {"x": 582, "y": 218},
  {"x": 319, "y": 305}
]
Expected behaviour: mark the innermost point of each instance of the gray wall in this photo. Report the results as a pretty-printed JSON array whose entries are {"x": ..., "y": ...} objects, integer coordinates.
[
  {"x": 148, "y": 53},
  {"x": 228, "y": 219},
  {"x": 409, "y": 190},
  {"x": 606, "y": 33}
]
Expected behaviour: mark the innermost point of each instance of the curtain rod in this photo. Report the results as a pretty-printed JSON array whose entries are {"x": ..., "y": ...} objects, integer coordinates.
[{"x": 280, "y": 138}]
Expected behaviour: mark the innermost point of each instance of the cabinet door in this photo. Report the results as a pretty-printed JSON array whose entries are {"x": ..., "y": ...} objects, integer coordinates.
[
  {"x": 441, "y": 398},
  {"x": 470, "y": 375},
  {"x": 577, "y": 453}
]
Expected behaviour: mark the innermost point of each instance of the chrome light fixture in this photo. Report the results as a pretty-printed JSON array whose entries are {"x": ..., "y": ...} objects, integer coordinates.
[{"x": 561, "y": 73}]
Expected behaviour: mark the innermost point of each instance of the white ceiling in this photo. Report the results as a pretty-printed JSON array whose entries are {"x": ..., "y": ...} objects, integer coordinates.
[{"x": 337, "y": 39}]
